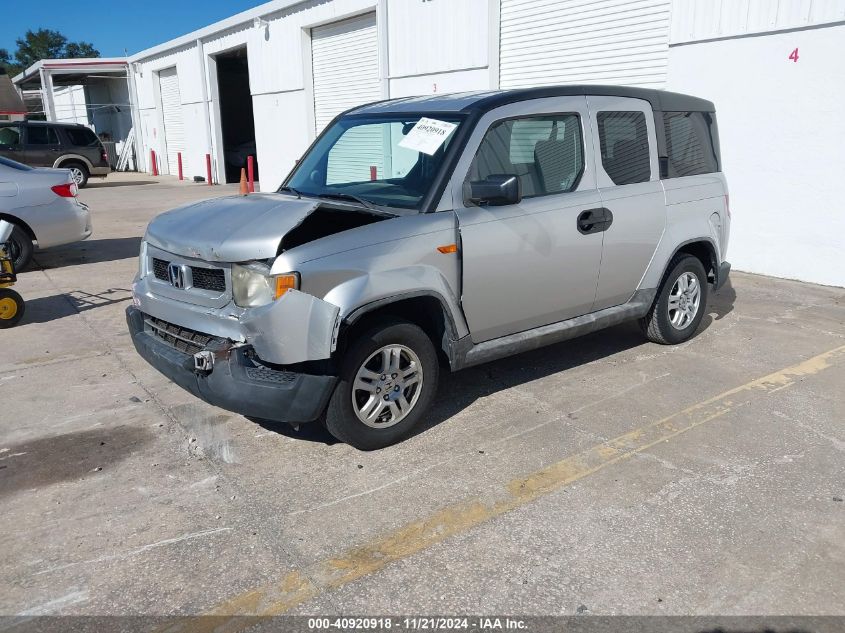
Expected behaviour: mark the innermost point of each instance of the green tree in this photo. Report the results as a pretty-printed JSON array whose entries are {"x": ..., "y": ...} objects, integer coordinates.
[
  {"x": 43, "y": 44},
  {"x": 6, "y": 62},
  {"x": 81, "y": 49}
]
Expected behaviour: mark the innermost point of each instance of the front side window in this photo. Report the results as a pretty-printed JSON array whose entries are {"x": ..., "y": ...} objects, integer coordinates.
[
  {"x": 388, "y": 160},
  {"x": 41, "y": 135},
  {"x": 10, "y": 136},
  {"x": 545, "y": 152},
  {"x": 689, "y": 144},
  {"x": 623, "y": 137}
]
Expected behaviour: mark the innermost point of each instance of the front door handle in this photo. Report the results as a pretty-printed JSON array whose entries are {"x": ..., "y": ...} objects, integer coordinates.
[{"x": 594, "y": 220}]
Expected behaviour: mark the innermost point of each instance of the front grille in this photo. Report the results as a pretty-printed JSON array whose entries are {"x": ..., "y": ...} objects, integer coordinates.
[
  {"x": 213, "y": 279},
  {"x": 181, "y": 338},
  {"x": 160, "y": 268},
  {"x": 208, "y": 278}
]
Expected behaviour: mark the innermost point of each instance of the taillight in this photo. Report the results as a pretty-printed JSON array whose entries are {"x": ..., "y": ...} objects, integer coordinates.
[
  {"x": 67, "y": 190},
  {"x": 728, "y": 205},
  {"x": 104, "y": 156}
]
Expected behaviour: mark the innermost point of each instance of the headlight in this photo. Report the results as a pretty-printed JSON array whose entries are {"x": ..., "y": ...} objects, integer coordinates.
[
  {"x": 142, "y": 260},
  {"x": 252, "y": 285}
]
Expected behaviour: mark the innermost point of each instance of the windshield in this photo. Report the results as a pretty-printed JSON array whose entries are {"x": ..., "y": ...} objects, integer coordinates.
[{"x": 384, "y": 160}]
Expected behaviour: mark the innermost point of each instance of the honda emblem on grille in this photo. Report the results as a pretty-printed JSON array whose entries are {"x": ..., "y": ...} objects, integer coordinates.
[{"x": 176, "y": 275}]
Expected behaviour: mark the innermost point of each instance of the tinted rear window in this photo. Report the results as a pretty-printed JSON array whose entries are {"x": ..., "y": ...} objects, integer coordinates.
[
  {"x": 81, "y": 136},
  {"x": 624, "y": 146},
  {"x": 690, "y": 143}
]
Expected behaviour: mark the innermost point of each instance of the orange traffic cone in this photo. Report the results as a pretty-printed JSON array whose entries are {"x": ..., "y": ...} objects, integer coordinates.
[{"x": 244, "y": 188}]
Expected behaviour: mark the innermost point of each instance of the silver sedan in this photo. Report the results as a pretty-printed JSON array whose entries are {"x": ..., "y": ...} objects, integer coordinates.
[{"x": 42, "y": 205}]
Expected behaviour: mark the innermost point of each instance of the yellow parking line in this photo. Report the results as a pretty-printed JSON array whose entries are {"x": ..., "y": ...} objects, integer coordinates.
[{"x": 299, "y": 586}]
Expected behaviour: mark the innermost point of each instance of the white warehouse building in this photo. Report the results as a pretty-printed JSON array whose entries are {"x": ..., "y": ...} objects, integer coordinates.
[{"x": 266, "y": 81}]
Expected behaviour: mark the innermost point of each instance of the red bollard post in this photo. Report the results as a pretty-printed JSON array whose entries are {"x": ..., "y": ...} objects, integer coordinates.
[
  {"x": 179, "y": 163},
  {"x": 153, "y": 162},
  {"x": 373, "y": 172},
  {"x": 208, "y": 167},
  {"x": 250, "y": 173}
]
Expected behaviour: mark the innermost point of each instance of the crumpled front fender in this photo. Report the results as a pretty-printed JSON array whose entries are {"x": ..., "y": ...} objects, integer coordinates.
[{"x": 295, "y": 328}]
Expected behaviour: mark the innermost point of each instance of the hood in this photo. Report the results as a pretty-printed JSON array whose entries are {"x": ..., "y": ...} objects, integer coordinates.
[{"x": 230, "y": 229}]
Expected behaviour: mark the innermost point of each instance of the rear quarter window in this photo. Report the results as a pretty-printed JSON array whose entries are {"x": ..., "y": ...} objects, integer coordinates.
[
  {"x": 81, "y": 137},
  {"x": 691, "y": 147}
]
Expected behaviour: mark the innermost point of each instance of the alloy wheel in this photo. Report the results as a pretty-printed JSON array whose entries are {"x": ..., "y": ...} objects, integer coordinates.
[
  {"x": 387, "y": 386},
  {"x": 684, "y": 300}
]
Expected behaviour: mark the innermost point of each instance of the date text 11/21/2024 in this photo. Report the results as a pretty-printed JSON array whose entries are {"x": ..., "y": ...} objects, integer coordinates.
[{"x": 418, "y": 623}]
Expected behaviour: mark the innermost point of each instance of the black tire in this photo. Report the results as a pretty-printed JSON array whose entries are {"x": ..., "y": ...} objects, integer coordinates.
[
  {"x": 341, "y": 419},
  {"x": 12, "y": 308},
  {"x": 20, "y": 248},
  {"x": 657, "y": 324},
  {"x": 79, "y": 172}
]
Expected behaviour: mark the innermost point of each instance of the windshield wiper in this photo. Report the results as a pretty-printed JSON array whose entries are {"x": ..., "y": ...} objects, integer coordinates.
[
  {"x": 337, "y": 195},
  {"x": 297, "y": 193}
]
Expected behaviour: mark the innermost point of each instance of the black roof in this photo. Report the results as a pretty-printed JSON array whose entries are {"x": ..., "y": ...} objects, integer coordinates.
[
  {"x": 54, "y": 123},
  {"x": 660, "y": 100}
]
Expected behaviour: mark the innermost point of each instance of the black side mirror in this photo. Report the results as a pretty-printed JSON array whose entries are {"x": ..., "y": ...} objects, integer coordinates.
[{"x": 496, "y": 190}]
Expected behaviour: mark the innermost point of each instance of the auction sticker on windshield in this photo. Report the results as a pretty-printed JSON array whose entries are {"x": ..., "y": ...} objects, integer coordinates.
[{"x": 428, "y": 135}]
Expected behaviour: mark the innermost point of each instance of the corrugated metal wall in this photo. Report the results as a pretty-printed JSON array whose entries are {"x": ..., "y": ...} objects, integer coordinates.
[
  {"x": 547, "y": 42},
  {"x": 345, "y": 59},
  {"x": 695, "y": 20}
]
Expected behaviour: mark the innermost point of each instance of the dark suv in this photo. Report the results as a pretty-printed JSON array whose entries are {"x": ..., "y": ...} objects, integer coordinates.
[{"x": 66, "y": 145}]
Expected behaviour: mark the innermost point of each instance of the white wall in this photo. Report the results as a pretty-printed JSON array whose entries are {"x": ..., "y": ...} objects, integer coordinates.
[
  {"x": 695, "y": 20},
  {"x": 779, "y": 120},
  {"x": 425, "y": 48},
  {"x": 781, "y": 129}
]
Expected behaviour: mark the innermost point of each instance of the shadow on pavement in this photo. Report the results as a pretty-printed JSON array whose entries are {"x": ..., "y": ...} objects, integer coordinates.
[
  {"x": 54, "y": 307},
  {"x": 459, "y": 390},
  {"x": 89, "y": 252}
]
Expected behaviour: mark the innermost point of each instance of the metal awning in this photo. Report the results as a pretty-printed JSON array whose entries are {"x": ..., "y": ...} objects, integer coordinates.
[{"x": 70, "y": 72}]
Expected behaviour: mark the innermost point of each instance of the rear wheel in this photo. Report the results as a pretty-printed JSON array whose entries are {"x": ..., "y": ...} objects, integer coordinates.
[
  {"x": 79, "y": 173},
  {"x": 387, "y": 382},
  {"x": 680, "y": 303},
  {"x": 11, "y": 308},
  {"x": 20, "y": 248}
]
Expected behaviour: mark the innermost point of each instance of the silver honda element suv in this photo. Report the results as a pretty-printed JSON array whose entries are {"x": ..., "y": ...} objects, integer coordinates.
[{"x": 426, "y": 234}]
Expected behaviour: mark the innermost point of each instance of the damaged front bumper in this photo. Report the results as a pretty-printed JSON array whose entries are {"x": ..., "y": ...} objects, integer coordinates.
[
  {"x": 228, "y": 375},
  {"x": 295, "y": 328}
]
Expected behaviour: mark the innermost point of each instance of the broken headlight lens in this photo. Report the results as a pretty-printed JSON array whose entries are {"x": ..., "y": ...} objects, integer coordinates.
[{"x": 252, "y": 285}]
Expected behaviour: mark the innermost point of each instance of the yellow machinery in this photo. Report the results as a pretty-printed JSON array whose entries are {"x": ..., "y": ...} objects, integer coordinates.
[{"x": 11, "y": 303}]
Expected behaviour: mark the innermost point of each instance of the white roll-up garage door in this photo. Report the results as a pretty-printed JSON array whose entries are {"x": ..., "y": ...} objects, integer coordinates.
[
  {"x": 545, "y": 42},
  {"x": 174, "y": 130},
  {"x": 345, "y": 59}
]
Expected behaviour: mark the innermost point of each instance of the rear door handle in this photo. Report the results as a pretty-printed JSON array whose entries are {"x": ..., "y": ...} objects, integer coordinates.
[{"x": 594, "y": 220}]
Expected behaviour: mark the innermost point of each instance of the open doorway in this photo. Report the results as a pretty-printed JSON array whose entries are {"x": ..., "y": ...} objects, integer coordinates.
[{"x": 236, "y": 117}]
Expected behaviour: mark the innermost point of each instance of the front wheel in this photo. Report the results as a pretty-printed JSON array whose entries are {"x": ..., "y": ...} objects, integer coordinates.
[
  {"x": 680, "y": 303},
  {"x": 387, "y": 382},
  {"x": 11, "y": 308}
]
